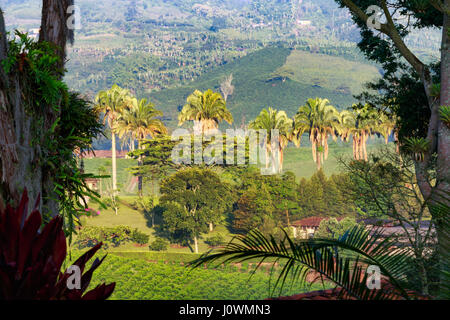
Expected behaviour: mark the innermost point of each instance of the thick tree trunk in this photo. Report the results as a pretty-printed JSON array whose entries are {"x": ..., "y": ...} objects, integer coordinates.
[
  {"x": 319, "y": 160},
  {"x": 442, "y": 192},
  {"x": 20, "y": 159}
]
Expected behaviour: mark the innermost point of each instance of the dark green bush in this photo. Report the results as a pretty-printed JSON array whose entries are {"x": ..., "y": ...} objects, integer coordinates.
[
  {"x": 111, "y": 236},
  {"x": 215, "y": 240},
  {"x": 139, "y": 237},
  {"x": 159, "y": 244}
]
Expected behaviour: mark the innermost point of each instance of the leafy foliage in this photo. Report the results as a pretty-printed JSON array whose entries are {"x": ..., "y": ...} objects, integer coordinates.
[
  {"x": 321, "y": 255},
  {"x": 208, "y": 108},
  {"x": 159, "y": 244},
  {"x": 215, "y": 240},
  {"x": 139, "y": 279},
  {"x": 193, "y": 198},
  {"x": 90, "y": 236},
  {"x": 444, "y": 112},
  {"x": 334, "y": 229},
  {"x": 73, "y": 129},
  {"x": 31, "y": 259}
]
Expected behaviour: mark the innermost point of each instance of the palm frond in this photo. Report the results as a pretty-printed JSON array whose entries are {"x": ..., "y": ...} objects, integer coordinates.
[{"x": 341, "y": 261}]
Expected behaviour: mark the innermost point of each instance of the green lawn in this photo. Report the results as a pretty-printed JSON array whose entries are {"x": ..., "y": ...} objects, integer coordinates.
[
  {"x": 135, "y": 219},
  {"x": 297, "y": 160},
  {"x": 300, "y": 160}
]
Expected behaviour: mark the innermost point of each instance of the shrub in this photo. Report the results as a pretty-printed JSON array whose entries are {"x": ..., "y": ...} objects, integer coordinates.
[
  {"x": 111, "y": 236},
  {"x": 139, "y": 237},
  {"x": 31, "y": 259},
  {"x": 159, "y": 244},
  {"x": 215, "y": 240}
]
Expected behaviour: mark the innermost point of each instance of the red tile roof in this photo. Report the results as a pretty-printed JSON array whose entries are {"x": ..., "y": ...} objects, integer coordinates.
[{"x": 311, "y": 221}]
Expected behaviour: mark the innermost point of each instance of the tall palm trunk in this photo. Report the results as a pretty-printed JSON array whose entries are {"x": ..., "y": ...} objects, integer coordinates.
[
  {"x": 397, "y": 142},
  {"x": 114, "y": 162},
  {"x": 281, "y": 158},
  {"x": 140, "y": 178},
  {"x": 319, "y": 156},
  {"x": 364, "y": 146},
  {"x": 443, "y": 162}
]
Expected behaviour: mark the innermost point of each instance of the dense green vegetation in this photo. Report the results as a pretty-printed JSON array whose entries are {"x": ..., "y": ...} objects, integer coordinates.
[
  {"x": 246, "y": 65},
  {"x": 255, "y": 87},
  {"x": 137, "y": 279},
  {"x": 165, "y": 50}
]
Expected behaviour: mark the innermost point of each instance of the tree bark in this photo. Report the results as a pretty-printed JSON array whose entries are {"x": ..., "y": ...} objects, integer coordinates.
[
  {"x": 319, "y": 160},
  {"x": 140, "y": 178},
  {"x": 442, "y": 192},
  {"x": 196, "y": 244},
  {"x": 21, "y": 162},
  {"x": 114, "y": 162}
]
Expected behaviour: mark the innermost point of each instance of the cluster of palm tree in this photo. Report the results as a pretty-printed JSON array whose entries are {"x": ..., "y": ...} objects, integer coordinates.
[
  {"x": 129, "y": 118},
  {"x": 317, "y": 118},
  {"x": 320, "y": 120}
]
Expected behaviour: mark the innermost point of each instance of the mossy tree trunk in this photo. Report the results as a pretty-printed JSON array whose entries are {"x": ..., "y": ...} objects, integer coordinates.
[{"x": 22, "y": 162}]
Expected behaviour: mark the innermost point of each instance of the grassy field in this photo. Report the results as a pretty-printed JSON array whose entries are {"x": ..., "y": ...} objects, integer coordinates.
[
  {"x": 129, "y": 217},
  {"x": 332, "y": 73},
  {"x": 300, "y": 161}
]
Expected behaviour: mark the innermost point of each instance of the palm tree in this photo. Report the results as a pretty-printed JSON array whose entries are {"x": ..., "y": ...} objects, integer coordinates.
[
  {"x": 386, "y": 126},
  {"x": 139, "y": 121},
  {"x": 364, "y": 122},
  {"x": 206, "y": 109},
  {"x": 269, "y": 120},
  {"x": 320, "y": 120},
  {"x": 111, "y": 102},
  {"x": 344, "y": 124}
]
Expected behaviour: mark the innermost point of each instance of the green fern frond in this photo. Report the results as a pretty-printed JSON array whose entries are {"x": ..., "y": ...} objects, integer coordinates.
[{"x": 444, "y": 115}]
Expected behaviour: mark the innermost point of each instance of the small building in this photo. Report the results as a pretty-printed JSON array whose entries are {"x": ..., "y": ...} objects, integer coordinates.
[
  {"x": 92, "y": 183},
  {"x": 307, "y": 227}
]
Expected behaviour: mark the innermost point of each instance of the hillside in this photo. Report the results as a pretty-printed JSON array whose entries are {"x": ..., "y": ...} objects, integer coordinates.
[{"x": 257, "y": 86}]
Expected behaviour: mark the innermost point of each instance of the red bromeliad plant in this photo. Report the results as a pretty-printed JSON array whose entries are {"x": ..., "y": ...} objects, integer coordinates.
[{"x": 31, "y": 259}]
